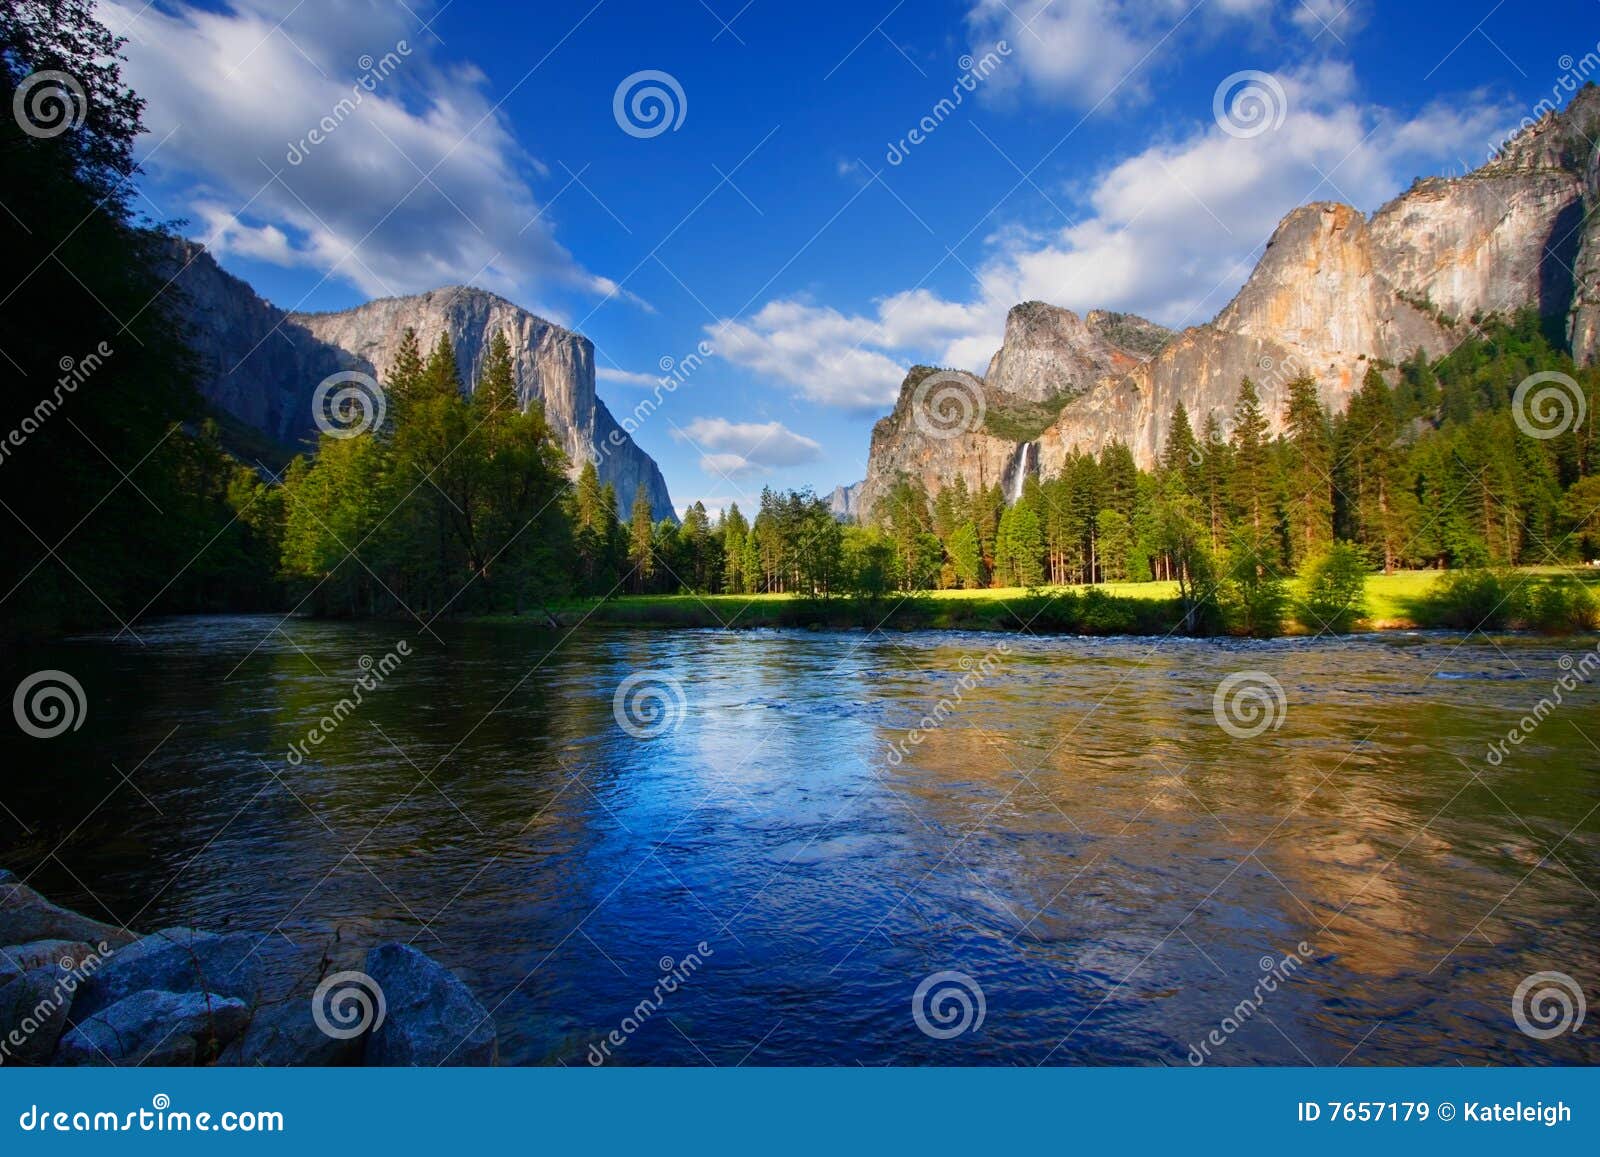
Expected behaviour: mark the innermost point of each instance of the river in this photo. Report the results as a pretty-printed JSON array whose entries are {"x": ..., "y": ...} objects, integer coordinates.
[{"x": 1059, "y": 836}]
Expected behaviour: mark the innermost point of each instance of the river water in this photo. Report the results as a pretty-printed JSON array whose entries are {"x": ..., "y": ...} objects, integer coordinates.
[{"x": 803, "y": 828}]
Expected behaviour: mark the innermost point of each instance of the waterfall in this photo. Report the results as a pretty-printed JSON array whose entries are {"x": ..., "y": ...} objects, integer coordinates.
[{"x": 1018, "y": 471}]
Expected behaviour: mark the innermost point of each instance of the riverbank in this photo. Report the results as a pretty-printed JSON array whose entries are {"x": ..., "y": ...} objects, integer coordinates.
[
  {"x": 77, "y": 991},
  {"x": 1406, "y": 600}
]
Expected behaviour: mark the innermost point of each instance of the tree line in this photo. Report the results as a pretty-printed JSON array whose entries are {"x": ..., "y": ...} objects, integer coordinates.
[{"x": 459, "y": 500}]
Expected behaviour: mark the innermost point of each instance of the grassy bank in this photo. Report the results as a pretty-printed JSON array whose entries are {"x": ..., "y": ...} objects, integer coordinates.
[{"x": 1406, "y": 599}]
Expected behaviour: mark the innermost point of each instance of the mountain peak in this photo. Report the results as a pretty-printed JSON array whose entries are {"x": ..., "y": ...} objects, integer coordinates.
[{"x": 262, "y": 365}]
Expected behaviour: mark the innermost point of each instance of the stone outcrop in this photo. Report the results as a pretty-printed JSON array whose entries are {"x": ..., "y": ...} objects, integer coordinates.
[
  {"x": 26, "y": 917},
  {"x": 185, "y": 997},
  {"x": 1335, "y": 293},
  {"x": 929, "y": 452},
  {"x": 176, "y": 960},
  {"x": 154, "y": 1027},
  {"x": 845, "y": 502},
  {"x": 260, "y": 364},
  {"x": 1050, "y": 352},
  {"x": 1050, "y": 357},
  {"x": 432, "y": 1018}
]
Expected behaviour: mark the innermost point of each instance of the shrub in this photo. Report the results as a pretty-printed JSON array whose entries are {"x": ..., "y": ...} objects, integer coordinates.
[
  {"x": 1333, "y": 590},
  {"x": 1254, "y": 596},
  {"x": 1560, "y": 607},
  {"x": 1470, "y": 600}
]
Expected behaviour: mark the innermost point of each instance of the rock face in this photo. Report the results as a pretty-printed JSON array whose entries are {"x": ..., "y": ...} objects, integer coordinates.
[
  {"x": 34, "y": 1007},
  {"x": 845, "y": 501},
  {"x": 1334, "y": 293},
  {"x": 285, "y": 1035},
  {"x": 432, "y": 1018},
  {"x": 182, "y": 997},
  {"x": 155, "y": 1027},
  {"x": 1050, "y": 357},
  {"x": 1050, "y": 352},
  {"x": 260, "y": 364},
  {"x": 26, "y": 916},
  {"x": 175, "y": 960}
]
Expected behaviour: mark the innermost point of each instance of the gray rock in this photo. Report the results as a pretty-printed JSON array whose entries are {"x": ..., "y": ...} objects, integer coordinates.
[
  {"x": 154, "y": 1028},
  {"x": 26, "y": 916},
  {"x": 285, "y": 1035},
  {"x": 431, "y": 1017},
  {"x": 33, "y": 1014},
  {"x": 19, "y": 958},
  {"x": 268, "y": 384},
  {"x": 176, "y": 960}
]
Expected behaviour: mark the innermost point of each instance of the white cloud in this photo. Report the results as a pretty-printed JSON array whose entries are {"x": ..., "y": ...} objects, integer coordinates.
[
  {"x": 418, "y": 181},
  {"x": 817, "y": 350},
  {"x": 715, "y": 504},
  {"x": 1334, "y": 19},
  {"x": 1170, "y": 233},
  {"x": 742, "y": 449},
  {"x": 626, "y": 377},
  {"x": 1096, "y": 53}
]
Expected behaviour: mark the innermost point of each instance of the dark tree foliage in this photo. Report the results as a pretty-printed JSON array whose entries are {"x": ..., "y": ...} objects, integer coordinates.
[{"x": 116, "y": 497}]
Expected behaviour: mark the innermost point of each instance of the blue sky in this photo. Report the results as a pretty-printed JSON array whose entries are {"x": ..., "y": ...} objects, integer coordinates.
[{"x": 1086, "y": 164}]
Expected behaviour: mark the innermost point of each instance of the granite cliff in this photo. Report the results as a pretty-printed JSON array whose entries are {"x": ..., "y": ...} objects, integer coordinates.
[
  {"x": 1334, "y": 293},
  {"x": 260, "y": 364}
]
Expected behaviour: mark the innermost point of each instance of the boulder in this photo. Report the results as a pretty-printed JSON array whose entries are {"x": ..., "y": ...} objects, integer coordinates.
[
  {"x": 431, "y": 1018},
  {"x": 284, "y": 1034},
  {"x": 154, "y": 1028},
  {"x": 176, "y": 960},
  {"x": 65, "y": 954},
  {"x": 26, "y": 916},
  {"x": 33, "y": 1014}
]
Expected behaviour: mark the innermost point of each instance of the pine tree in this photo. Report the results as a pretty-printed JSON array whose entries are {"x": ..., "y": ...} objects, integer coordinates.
[
  {"x": 1216, "y": 479},
  {"x": 1368, "y": 463},
  {"x": 1250, "y": 464},
  {"x": 1027, "y": 545},
  {"x": 440, "y": 376},
  {"x": 405, "y": 372},
  {"x": 694, "y": 539},
  {"x": 495, "y": 397},
  {"x": 1309, "y": 502},
  {"x": 1181, "y": 458},
  {"x": 735, "y": 530},
  {"x": 641, "y": 540}
]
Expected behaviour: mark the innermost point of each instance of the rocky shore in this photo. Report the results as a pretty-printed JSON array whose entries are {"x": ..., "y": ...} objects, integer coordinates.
[{"x": 75, "y": 991}]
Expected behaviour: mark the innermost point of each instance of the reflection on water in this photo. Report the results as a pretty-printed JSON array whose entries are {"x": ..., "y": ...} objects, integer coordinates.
[{"x": 1079, "y": 836}]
